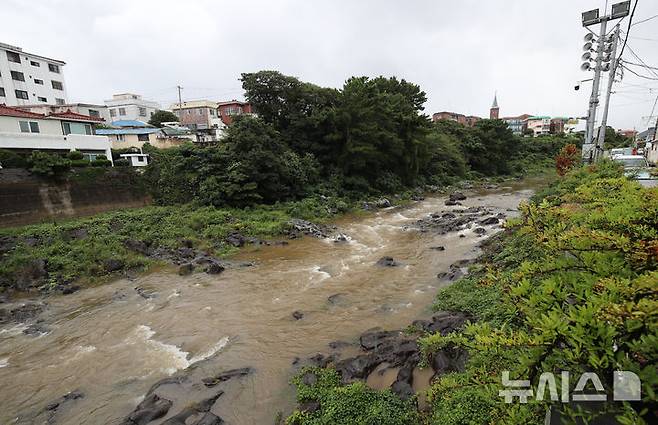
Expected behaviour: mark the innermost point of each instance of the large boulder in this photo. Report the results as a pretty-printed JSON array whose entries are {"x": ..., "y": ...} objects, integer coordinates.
[
  {"x": 457, "y": 196},
  {"x": 151, "y": 408},
  {"x": 387, "y": 262}
]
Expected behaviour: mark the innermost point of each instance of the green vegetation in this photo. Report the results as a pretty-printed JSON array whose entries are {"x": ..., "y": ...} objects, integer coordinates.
[
  {"x": 570, "y": 286},
  {"x": 72, "y": 255},
  {"x": 369, "y": 137},
  {"x": 159, "y": 117},
  {"x": 353, "y": 404}
]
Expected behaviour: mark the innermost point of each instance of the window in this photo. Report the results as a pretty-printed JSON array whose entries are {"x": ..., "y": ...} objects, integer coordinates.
[
  {"x": 143, "y": 137},
  {"x": 2, "y": 92},
  {"x": 94, "y": 113},
  {"x": 122, "y": 111},
  {"x": 43, "y": 99},
  {"x": 29, "y": 126},
  {"x": 13, "y": 57},
  {"x": 88, "y": 131},
  {"x": 33, "y": 63},
  {"x": 38, "y": 81},
  {"x": 142, "y": 112},
  {"x": 200, "y": 111},
  {"x": 212, "y": 112},
  {"x": 113, "y": 112},
  {"x": 59, "y": 101},
  {"x": 120, "y": 137},
  {"x": 76, "y": 128},
  {"x": 53, "y": 68},
  {"x": 18, "y": 76},
  {"x": 21, "y": 94},
  {"x": 57, "y": 85}
]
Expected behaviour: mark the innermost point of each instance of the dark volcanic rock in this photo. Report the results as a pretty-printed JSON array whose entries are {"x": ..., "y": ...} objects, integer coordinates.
[
  {"x": 236, "y": 239},
  {"x": 138, "y": 246},
  {"x": 336, "y": 299},
  {"x": 194, "y": 409},
  {"x": 489, "y": 221},
  {"x": 300, "y": 227},
  {"x": 32, "y": 275},
  {"x": 451, "y": 359},
  {"x": 21, "y": 313},
  {"x": 480, "y": 231},
  {"x": 443, "y": 322},
  {"x": 225, "y": 376},
  {"x": 214, "y": 268},
  {"x": 151, "y": 408},
  {"x": 454, "y": 272},
  {"x": 309, "y": 406},
  {"x": 370, "y": 339},
  {"x": 383, "y": 203},
  {"x": 457, "y": 196},
  {"x": 337, "y": 345},
  {"x": 185, "y": 269},
  {"x": 309, "y": 378},
  {"x": 113, "y": 264},
  {"x": 320, "y": 360},
  {"x": 451, "y": 203},
  {"x": 341, "y": 238},
  {"x": 387, "y": 262},
  {"x": 438, "y": 248},
  {"x": 297, "y": 315}
]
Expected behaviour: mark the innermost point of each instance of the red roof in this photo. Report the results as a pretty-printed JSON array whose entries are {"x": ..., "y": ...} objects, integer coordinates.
[
  {"x": 8, "y": 111},
  {"x": 75, "y": 116}
]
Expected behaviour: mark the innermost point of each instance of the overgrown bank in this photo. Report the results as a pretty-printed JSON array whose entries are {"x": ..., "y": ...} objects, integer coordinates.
[{"x": 570, "y": 286}]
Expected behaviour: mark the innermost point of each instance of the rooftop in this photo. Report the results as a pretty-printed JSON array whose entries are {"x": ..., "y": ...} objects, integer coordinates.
[
  {"x": 8, "y": 111},
  {"x": 19, "y": 50},
  {"x": 111, "y": 131},
  {"x": 130, "y": 123},
  {"x": 75, "y": 116}
]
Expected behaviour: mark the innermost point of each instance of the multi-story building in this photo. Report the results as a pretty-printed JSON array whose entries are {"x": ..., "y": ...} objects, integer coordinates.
[
  {"x": 129, "y": 106},
  {"x": 539, "y": 125},
  {"x": 200, "y": 116},
  {"x": 518, "y": 124},
  {"x": 558, "y": 124},
  {"x": 467, "y": 120},
  {"x": 227, "y": 110},
  {"x": 26, "y": 78},
  {"x": 56, "y": 132},
  {"x": 98, "y": 111},
  {"x": 134, "y": 134}
]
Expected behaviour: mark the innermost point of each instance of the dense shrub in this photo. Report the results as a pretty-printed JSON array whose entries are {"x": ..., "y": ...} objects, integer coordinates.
[
  {"x": 48, "y": 165},
  {"x": 10, "y": 159},
  {"x": 573, "y": 287}
]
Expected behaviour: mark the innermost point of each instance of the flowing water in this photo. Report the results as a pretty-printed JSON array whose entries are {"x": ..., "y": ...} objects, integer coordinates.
[{"x": 113, "y": 344}]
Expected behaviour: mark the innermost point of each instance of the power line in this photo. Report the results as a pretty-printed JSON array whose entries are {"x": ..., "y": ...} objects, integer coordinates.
[
  {"x": 639, "y": 75},
  {"x": 644, "y": 64},
  {"x": 630, "y": 20},
  {"x": 645, "y": 20}
]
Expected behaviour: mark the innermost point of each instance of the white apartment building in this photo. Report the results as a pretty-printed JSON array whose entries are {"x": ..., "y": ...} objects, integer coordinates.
[
  {"x": 92, "y": 110},
  {"x": 26, "y": 78},
  {"x": 129, "y": 106}
]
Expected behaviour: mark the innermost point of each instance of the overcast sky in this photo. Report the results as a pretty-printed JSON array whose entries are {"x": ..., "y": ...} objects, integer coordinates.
[{"x": 459, "y": 52}]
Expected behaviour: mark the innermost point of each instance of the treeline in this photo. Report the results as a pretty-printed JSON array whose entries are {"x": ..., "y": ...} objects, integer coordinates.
[{"x": 370, "y": 136}]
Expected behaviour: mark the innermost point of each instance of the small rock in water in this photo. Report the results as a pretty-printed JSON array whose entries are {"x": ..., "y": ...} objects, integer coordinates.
[
  {"x": 225, "y": 376},
  {"x": 489, "y": 221},
  {"x": 214, "y": 268},
  {"x": 341, "y": 238},
  {"x": 438, "y": 248},
  {"x": 70, "y": 289},
  {"x": 336, "y": 298},
  {"x": 185, "y": 269},
  {"x": 457, "y": 196},
  {"x": 387, "y": 262},
  {"x": 113, "y": 265},
  {"x": 297, "y": 315},
  {"x": 479, "y": 231},
  {"x": 451, "y": 203},
  {"x": 383, "y": 203},
  {"x": 462, "y": 235}
]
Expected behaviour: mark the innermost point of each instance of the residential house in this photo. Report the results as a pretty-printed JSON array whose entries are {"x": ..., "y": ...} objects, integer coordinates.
[
  {"x": 136, "y": 159},
  {"x": 130, "y": 106},
  {"x": 627, "y": 133},
  {"x": 92, "y": 110},
  {"x": 227, "y": 110},
  {"x": 557, "y": 125},
  {"x": 134, "y": 134},
  {"x": 539, "y": 125},
  {"x": 26, "y": 78},
  {"x": 61, "y": 132},
  {"x": 200, "y": 116},
  {"x": 647, "y": 135}
]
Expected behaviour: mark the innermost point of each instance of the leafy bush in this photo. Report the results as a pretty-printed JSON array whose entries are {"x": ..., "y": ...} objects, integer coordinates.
[
  {"x": 74, "y": 155},
  {"x": 121, "y": 162},
  {"x": 48, "y": 165},
  {"x": 101, "y": 161},
  {"x": 353, "y": 404},
  {"x": 574, "y": 288}
]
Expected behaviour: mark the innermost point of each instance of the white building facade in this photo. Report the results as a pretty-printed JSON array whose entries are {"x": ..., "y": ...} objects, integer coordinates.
[
  {"x": 27, "y": 79},
  {"x": 129, "y": 106},
  {"x": 61, "y": 132}
]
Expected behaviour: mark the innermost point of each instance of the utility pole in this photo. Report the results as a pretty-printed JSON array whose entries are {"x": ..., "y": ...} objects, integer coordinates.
[
  {"x": 611, "y": 79},
  {"x": 594, "y": 100},
  {"x": 180, "y": 102},
  {"x": 593, "y": 145}
]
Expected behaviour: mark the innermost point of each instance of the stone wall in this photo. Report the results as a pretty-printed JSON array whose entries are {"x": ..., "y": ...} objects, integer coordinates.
[{"x": 27, "y": 199}]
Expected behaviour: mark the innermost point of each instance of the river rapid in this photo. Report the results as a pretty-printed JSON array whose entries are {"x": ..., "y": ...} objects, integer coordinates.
[{"x": 112, "y": 342}]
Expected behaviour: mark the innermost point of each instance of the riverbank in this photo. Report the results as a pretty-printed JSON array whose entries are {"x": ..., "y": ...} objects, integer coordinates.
[
  {"x": 113, "y": 342},
  {"x": 570, "y": 285},
  {"x": 65, "y": 256}
]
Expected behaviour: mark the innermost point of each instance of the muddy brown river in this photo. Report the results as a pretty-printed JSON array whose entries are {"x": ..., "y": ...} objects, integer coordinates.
[{"x": 113, "y": 344}]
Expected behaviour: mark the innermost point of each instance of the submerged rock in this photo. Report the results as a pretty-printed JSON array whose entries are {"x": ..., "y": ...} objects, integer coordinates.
[
  {"x": 387, "y": 262},
  {"x": 151, "y": 408},
  {"x": 214, "y": 268},
  {"x": 185, "y": 269},
  {"x": 113, "y": 264},
  {"x": 457, "y": 196},
  {"x": 489, "y": 221},
  {"x": 299, "y": 227},
  {"x": 195, "y": 409},
  {"x": 225, "y": 376},
  {"x": 297, "y": 315}
]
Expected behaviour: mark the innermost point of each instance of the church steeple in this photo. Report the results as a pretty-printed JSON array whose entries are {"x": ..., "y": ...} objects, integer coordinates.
[{"x": 493, "y": 112}]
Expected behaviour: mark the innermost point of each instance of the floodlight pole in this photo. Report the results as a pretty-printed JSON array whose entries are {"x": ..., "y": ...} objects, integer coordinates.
[
  {"x": 589, "y": 150},
  {"x": 611, "y": 79}
]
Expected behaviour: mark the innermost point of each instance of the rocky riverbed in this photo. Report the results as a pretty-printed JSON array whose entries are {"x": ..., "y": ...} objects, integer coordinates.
[{"x": 203, "y": 347}]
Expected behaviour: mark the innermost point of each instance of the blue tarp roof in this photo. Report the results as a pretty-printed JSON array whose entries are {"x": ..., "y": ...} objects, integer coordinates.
[
  {"x": 129, "y": 123},
  {"x": 106, "y": 131}
]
